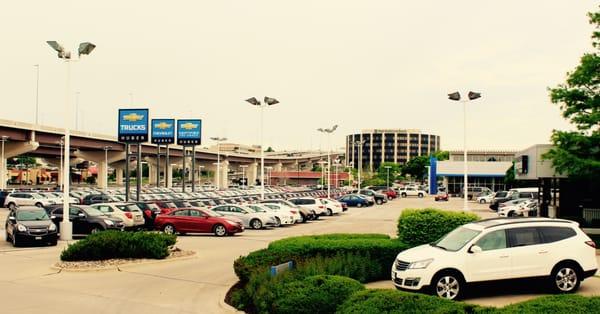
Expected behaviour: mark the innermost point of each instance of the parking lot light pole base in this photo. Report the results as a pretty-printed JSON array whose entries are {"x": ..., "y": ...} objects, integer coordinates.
[{"x": 66, "y": 232}]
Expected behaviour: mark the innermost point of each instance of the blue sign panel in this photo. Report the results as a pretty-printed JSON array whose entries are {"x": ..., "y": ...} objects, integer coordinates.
[
  {"x": 133, "y": 125},
  {"x": 163, "y": 131},
  {"x": 433, "y": 188},
  {"x": 189, "y": 131}
]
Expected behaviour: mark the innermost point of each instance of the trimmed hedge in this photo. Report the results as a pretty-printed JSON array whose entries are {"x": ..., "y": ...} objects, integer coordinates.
[
  {"x": 380, "y": 248},
  {"x": 568, "y": 304},
  {"x": 315, "y": 294},
  {"x": 116, "y": 244},
  {"x": 392, "y": 301},
  {"x": 421, "y": 226}
]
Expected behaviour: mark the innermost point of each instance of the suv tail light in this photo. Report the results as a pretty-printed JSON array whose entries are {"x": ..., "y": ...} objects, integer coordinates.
[
  {"x": 128, "y": 215},
  {"x": 591, "y": 243},
  {"x": 293, "y": 211},
  {"x": 321, "y": 207}
]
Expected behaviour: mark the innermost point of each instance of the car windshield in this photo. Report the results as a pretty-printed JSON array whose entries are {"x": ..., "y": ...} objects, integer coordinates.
[
  {"x": 456, "y": 239},
  {"x": 93, "y": 212},
  {"x": 501, "y": 194},
  {"x": 31, "y": 215}
]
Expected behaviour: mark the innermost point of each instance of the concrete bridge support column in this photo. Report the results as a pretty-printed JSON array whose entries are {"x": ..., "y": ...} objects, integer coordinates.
[
  {"x": 252, "y": 173},
  {"x": 102, "y": 159}
]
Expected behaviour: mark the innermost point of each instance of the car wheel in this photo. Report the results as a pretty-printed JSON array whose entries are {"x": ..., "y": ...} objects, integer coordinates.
[
  {"x": 39, "y": 205},
  {"x": 359, "y": 205},
  {"x": 512, "y": 214},
  {"x": 277, "y": 222},
  {"x": 329, "y": 212},
  {"x": 448, "y": 285},
  {"x": 420, "y": 195},
  {"x": 379, "y": 202},
  {"x": 220, "y": 230},
  {"x": 256, "y": 224},
  {"x": 403, "y": 194},
  {"x": 169, "y": 229},
  {"x": 481, "y": 201},
  {"x": 304, "y": 218},
  {"x": 565, "y": 278},
  {"x": 12, "y": 206}
]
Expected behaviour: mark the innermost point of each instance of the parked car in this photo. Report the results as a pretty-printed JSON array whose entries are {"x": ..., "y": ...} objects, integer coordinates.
[
  {"x": 377, "y": 197},
  {"x": 17, "y": 199},
  {"x": 166, "y": 207},
  {"x": 150, "y": 211},
  {"x": 283, "y": 217},
  {"x": 85, "y": 219},
  {"x": 194, "y": 220},
  {"x": 30, "y": 224},
  {"x": 412, "y": 191},
  {"x": 513, "y": 194},
  {"x": 284, "y": 208},
  {"x": 306, "y": 213},
  {"x": 475, "y": 191},
  {"x": 129, "y": 213},
  {"x": 512, "y": 203},
  {"x": 389, "y": 192},
  {"x": 519, "y": 207},
  {"x": 333, "y": 206},
  {"x": 95, "y": 199},
  {"x": 554, "y": 250},
  {"x": 310, "y": 203},
  {"x": 251, "y": 218},
  {"x": 487, "y": 198},
  {"x": 354, "y": 200},
  {"x": 442, "y": 197},
  {"x": 57, "y": 197}
]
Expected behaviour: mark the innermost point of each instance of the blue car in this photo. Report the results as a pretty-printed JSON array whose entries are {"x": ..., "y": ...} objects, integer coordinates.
[{"x": 353, "y": 200}]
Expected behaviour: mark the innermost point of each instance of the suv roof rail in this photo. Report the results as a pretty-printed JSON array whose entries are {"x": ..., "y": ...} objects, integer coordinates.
[{"x": 516, "y": 220}]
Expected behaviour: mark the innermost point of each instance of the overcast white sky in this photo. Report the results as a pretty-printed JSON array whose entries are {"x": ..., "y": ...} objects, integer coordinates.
[{"x": 359, "y": 64}]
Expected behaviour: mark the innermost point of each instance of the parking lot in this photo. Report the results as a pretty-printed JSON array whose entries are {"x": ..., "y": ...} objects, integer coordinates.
[{"x": 192, "y": 285}]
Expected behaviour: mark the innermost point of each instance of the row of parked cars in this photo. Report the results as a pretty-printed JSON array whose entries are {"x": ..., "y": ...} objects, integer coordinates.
[{"x": 218, "y": 212}]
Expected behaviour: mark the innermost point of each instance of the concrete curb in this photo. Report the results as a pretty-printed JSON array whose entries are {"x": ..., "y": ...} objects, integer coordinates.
[
  {"x": 226, "y": 307},
  {"x": 125, "y": 265}
]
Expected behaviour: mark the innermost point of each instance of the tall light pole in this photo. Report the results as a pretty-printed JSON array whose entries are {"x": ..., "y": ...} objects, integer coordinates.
[
  {"x": 218, "y": 140},
  {"x": 456, "y": 97},
  {"x": 243, "y": 174},
  {"x": 388, "y": 176},
  {"x": 3, "y": 169},
  {"x": 37, "y": 94},
  {"x": 105, "y": 168},
  {"x": 60, "y": 170},
  {"x": 267, "y": 102},
  {"x": 85, "y": 48},
  {"x": 328, "y": 132},
  {"x": 351, "y": 164},
  {"x": 360, "y": 143}
]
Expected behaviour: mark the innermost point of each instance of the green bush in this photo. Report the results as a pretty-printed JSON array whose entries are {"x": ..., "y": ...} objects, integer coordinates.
[
  {"x": 568, "y": 304},
  {"x": 315, "y": 294},
  {"x": 416, "y": 227},
  {"x": 379, "y": 247},
  {"x": 392, "y": 301},
  {"x": 116, "y": 244}
]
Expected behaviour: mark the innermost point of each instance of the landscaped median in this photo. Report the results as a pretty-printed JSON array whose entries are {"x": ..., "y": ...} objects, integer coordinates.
[
  {"x": 329, "y": 271},
  {"x": 113, "y": 248}
]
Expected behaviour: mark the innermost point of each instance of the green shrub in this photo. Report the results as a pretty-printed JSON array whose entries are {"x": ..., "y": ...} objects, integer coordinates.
[
  {"x": 116, "y": 244},
  {"x": 568, "y": 304},
  {"x": 380, "y": 248},
  {"x": 416, "y": 227},
  {"x": 315, "y": 294},
  {"x": 392, "y": 301}
]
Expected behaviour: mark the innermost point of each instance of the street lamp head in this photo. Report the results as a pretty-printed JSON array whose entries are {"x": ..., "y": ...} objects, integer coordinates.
[
  {"x": 334, "y": 128},
  {"x": 107, "y": 147},
  {"x": 474, "y": 95},
  {"x": 253, "y": 101},
  {"x": 271, "y": 101},
  {"x": 5, "y": 138},
  {"x": 86, "y": 48},
  {"x": 320, "y": 130},
  {"x": 454, "y": 96},
  {"x": 62, "y": 53}
]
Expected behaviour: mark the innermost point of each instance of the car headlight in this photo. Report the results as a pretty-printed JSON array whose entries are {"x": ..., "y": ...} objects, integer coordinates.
[
  {"x": 108, "y": 222},
  {"x": 21, "y": 228},
  {"x": 420, "y": 264},
  {"x": 52, "y": 227}
]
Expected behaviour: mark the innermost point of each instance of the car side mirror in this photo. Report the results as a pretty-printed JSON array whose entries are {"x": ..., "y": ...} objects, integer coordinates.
[
  {"x": 475, "y": 249},
  {"x": 52, "y": 217}
]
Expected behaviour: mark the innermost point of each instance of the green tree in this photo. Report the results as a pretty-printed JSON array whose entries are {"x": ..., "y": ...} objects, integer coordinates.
[
  {"x": 577, "y": 153},
  {"x": 441, "y": 155},
  {"x": 269, "y": 150},
  {"x": 394, "y": 169},
  {"x": 415, "y": 167},
  {"x": 26, "y": 161}
]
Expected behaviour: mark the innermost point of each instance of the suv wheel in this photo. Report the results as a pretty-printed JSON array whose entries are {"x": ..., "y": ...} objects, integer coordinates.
[
  {"x": 256, "y": 224},
  {"x": 329, "y": 212},
  {"x": 565, "y": 278},
  {"x": 482, "y": 201},
  {"x": 403, "y": 194},
  {"x": 420, "y": 195},
  {"x": 39, "y": 205},
  {"x": 448, "y": 285},
  {"x": 12, "y": 206}
]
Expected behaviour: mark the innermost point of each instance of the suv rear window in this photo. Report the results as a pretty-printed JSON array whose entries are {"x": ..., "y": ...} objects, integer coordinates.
[
  {"x": 524, "y": 236},
  {"x": 553, "y": 234}
]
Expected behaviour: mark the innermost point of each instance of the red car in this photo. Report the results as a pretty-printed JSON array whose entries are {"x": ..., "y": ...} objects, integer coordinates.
[
  {"x": 166, "y": 207},
  {"x": 442, "y": 197},
  {"x": 193, "y": 220}
]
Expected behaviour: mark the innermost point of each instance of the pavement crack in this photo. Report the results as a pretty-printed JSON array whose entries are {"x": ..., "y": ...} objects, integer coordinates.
[{"x": 175, "y": 279}]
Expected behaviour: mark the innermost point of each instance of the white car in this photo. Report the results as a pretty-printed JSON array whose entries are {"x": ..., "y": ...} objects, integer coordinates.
[
  {"x": 57, "y": 197},
  {"x": 333, "y": 206},
  {"x": 17, "y": 199},
  {"x": 251, "y": 218},
  {"x": 486, "y": 198},
  {"x": 499, "y": 249},
  {"x": 282, "y": 217},
  {"x": 130, "y": 213},
  {"x": 285, "y": 208},
  {"x": 519, "y": 209},
  {"x": 412, "y": 191},
  {"x": 310, "y": 203}
]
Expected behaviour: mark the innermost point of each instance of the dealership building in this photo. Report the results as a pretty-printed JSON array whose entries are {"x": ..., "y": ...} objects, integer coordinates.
[{"x": 388, "y": 145}]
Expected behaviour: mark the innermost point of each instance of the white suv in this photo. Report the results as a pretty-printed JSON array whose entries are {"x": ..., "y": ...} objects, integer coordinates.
[
  {"x": 310, "y": 203},
  {"x": 498, "y": 249},
  {"x": 412, "y": 191},
  {"x": 16, "y": 199}
]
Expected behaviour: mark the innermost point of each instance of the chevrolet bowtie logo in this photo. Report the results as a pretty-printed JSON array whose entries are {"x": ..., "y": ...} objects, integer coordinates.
[
  {"x": 162, "y": 125},
  {"x": 189, "y": 126},
  {"x": 133, "y": 117}
]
